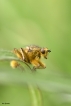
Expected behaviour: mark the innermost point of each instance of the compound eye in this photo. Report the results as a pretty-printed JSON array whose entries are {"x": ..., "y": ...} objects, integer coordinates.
[{"x": 42, "y": 51}]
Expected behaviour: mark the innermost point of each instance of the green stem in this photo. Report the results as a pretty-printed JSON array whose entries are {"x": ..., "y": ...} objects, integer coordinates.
[{"x": 36, "y": 96}]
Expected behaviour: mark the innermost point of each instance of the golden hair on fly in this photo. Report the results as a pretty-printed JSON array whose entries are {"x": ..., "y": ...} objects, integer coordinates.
[{"x": 31, "y": 55}]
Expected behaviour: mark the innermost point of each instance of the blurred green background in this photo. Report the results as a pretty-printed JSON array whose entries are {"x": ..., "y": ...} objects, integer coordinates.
[{"x": 47, "y": 24}]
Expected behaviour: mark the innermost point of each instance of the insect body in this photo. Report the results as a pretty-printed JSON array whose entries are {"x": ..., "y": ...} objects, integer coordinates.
[{"x": 31, "y": 55}]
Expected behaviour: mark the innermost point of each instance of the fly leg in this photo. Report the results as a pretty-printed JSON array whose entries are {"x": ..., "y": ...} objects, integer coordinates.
[{"x": 38, "y": 64}]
